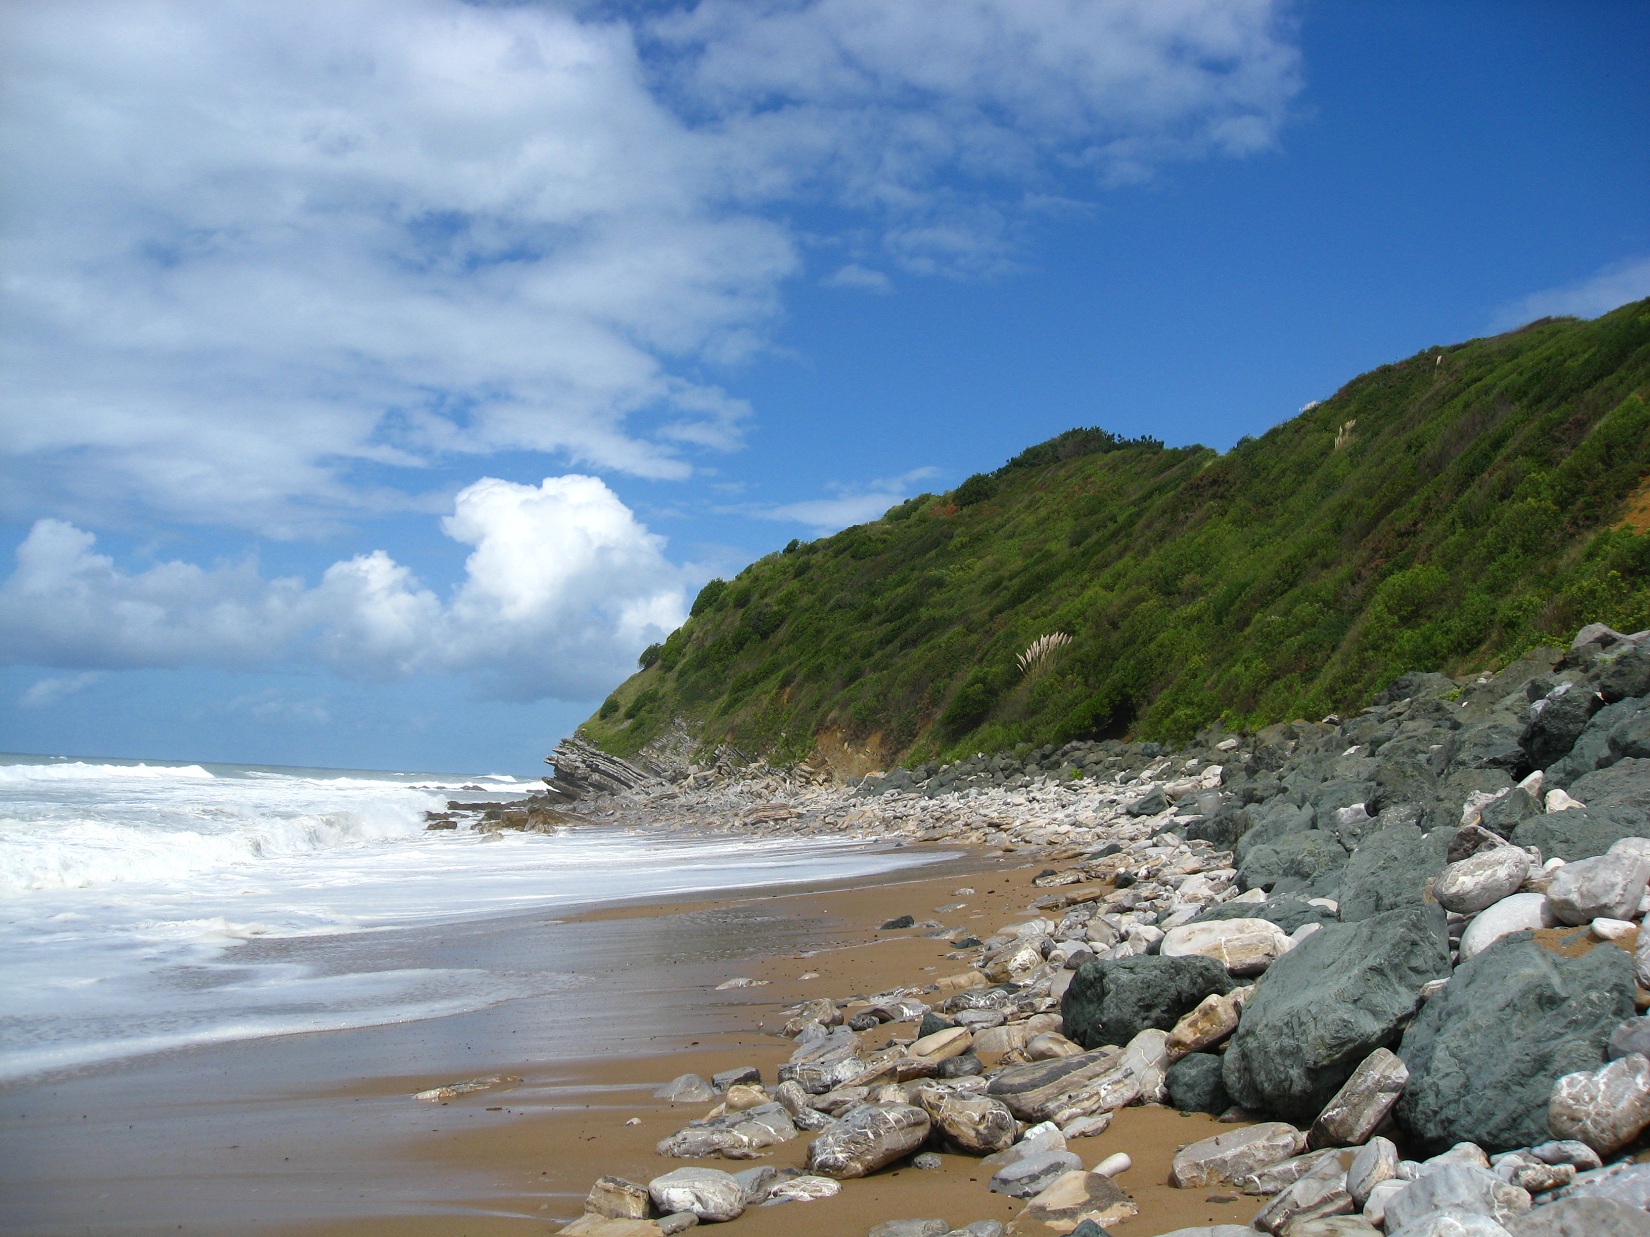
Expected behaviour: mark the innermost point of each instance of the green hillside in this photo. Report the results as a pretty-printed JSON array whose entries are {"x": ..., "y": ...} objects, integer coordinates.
[{"x": 1444, "y": 512}]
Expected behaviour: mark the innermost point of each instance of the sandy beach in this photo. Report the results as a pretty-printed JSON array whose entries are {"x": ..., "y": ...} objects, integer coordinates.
[{"x": 318, "y": 1134}]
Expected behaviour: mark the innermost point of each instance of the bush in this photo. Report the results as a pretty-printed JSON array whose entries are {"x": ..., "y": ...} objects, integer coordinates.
[
  {"x": 650, "y": 655},
  {"x": 977, "y": 489},
  {"x": 708, "y": 597}
]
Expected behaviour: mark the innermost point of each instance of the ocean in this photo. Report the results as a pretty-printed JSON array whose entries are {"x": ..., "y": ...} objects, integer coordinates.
[{"x": 150, "y": 906}]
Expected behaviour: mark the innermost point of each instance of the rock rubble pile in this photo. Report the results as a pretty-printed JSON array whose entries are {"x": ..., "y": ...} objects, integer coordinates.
[{"x": 1401, "y": 953}]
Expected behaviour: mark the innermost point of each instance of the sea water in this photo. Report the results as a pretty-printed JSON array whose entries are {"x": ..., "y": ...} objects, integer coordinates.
[{"x": 149, "y": 906}]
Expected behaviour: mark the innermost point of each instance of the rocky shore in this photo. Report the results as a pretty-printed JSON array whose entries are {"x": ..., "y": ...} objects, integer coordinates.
[{"x": 1399, "y": 953}]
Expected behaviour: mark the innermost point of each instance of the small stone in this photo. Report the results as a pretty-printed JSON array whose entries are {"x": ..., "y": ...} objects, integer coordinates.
[
  {"x": 975, "y": 1124},
  {"x": 1214, "y": 1018},
  {"x": 1568, "y": 1151},
  {"x": 1048, "y": 1045},
  {"x": 1380, "y": 1195},
  {"x": 927, "y": 1161},
  {"x": 911, "y": 1228},
  {"x": 804, "y": 1190},
  {"x": 1362, "y": 1103},
  {"x": 617, "y": 1199},
  {"x": 708, "y": 1193},
  {"x": 1088, "y": 1127},
  {"x": 979, "y": 1228},
  {"x": 1028, "y": 1177},
  {"x": 943, "y": 1045},
  {"x": 1076, "y": 1198},
  {"x": 742, "y": 1095},
  {"x": 1613, "y": 929},
  {"x": 867, "y": 1138},
  {"x": 1114, "y": 1164},
  {"x": 1482, "y": 880},
  {"x": 1606, "y": 1108},
  {"x": 1228, "y": 1156},
  {"x": 1606, "y": 885},
  {"x": 1275, "y": 1178}
]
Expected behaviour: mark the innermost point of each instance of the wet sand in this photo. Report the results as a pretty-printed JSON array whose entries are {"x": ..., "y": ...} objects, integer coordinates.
[{"x": 317, "y": 1135}]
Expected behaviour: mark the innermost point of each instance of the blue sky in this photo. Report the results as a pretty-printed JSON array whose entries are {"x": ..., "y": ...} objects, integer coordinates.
[{"x": 379, "y": 379}]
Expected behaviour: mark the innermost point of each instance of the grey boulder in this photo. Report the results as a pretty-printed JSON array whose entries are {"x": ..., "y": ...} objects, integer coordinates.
[
  {"x": 1112, "y": 1000},
  {"x": 707, "y": 1192},
  {"x": 1484, "y": 1053},
  {"x": 1390, "y": 870},
  {"x": 1197, "y": 1083},
  {"x": 1582, "y": 1217},
  {"x": 1462, "y": 1187},
  {"x": 1327, "y": 1004}
]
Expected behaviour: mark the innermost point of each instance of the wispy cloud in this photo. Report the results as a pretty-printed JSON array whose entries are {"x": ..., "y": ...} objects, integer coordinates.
[
  {"x": 267, "y": 263},
  {"x": 847, "y": 505},
  {"x": 856, "y": 276},
  {"x": 1609, "y": 288},
  {"x": 49, "y": 691}
]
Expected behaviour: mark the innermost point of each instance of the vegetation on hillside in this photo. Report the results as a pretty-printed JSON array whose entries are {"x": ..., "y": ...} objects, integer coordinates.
[{"x": 1445, "y": 512}]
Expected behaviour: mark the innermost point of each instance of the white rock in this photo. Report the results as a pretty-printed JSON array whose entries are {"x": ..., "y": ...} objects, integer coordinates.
[
  {"x": 1243, "y": 946},
  {"x": 1613, "y": 929},
  {"x": 1558, "y": 801},
  {"x": 1451, "y": 1222},
  {"x": 708, "y": 1193},
  {"x": 805, "y": 1189},
  {"x": 1380, "y": 1194},
  {"x": 1476, "y": 1191},
  {"x": 1532, "y": 784},
  {"x": 1605, "y": 1108},
  {"x": 1302, "y": 932},
  {"x": 1481, "y": 880},
  {"x": 1521, "y": 912},
  {"x": 1608, "y": 886},
  {"x": 1112, "y": 1165}
]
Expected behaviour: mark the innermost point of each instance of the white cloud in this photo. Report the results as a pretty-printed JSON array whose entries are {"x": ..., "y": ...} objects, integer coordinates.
[
  {"x": 49, "y": 691},
  {"x": 1608, "y": 289},
  {"x": 856, "y": 276},
  {"x": 561, "y": 590},
  {"x": 264, "y": 259}
]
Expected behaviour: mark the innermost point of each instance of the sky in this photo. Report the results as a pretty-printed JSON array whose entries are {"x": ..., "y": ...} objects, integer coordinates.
[{"x": 378, "y": 380}]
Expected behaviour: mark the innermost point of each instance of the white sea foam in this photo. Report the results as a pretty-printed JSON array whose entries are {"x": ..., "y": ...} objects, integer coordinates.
[{"x": 150, "y": 907}]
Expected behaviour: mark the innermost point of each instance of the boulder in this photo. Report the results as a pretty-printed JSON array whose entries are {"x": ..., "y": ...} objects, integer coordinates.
[
  {"x": 1150, "y": 803},
  {"x": 1488, "y": 745},
  {"x": 1480, "y": 881},
  {"x": 1556, "y": 722},
  {"x": 1276, "y": 1178},
  {"x": 1242, "y": 946},
  {"x": 1522, "y": 912},
  {"x": 1027, "y": 1177},
  {"x": 1327, "y": 1004},
  {"x": 618, "y": 1199},
  {"x": 1234, "y": 1153},
  {"x": 1628, "y": 675},
  {"x": 1362, "y": 1104},
  {"x": 734, "y": 1135},
  {"x": 1578, "y": 833},
  {"x": 1196, "y": 1084},
  {"x": 1066, "y": 1087},
  {"x": 1607, "y": 886},
  {"x": 1110, "y": 1001},
  {"x": 1390, "y": 870},
  {"x": 974, "y": 1124},
  {"x": 1502, "y": 816},
  {"x": 1567, "y": 1151},
  {"x": 1320, "y": 1193},
  {"x": 1303, "y": 863},
  {"x": 1605, "y": 1108},
  {"x": 1484, "y": 1053},
  {"x": 1451, "y": 1222},
  {"x": 1376, "y": 1161},
  {"x": 867, "y": 1138},
  {"x": 1462, "y": 1187},
  {"x": 686, "y": 1089},
  {"x": 1582, "y": 1217},
  {"x": 1075, "y": 1200},
  {"x": 707, "y": 1192}
]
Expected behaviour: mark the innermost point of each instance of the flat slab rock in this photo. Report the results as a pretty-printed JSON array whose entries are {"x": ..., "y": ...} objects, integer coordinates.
[
  {"x": 1073, "y": 1198},
  {"x": 1237, "y": 1153}
]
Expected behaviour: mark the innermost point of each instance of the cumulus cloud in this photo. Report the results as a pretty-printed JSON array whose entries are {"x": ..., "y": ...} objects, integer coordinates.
[
  {"x": 1608, "y": 289},
  {"x": 265, "y": 262},
  {"x": 561, "y": 590}
]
